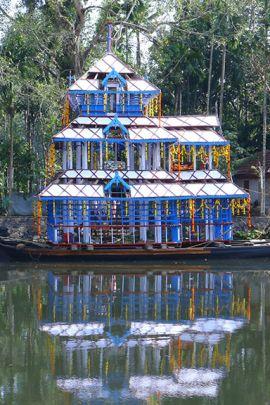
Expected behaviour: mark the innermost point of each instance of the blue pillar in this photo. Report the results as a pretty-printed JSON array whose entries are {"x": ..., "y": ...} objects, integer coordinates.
[
  {"x": 50, "y": 221},
  {"x": 217, "y": 218},
  {"x": 175, "y": 227}
]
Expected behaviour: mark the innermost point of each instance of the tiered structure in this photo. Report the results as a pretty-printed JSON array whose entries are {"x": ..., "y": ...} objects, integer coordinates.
[{"x": 130, "y": 175}]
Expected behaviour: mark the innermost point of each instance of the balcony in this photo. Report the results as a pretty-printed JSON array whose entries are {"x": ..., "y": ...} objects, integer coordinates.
[{"x": 101, "y": 103}]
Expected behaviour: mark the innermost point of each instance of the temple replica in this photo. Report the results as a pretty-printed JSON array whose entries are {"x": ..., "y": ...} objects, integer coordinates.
[{"x": 130, "y": 176}]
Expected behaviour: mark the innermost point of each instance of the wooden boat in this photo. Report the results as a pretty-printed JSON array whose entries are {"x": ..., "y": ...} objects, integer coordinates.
[{"x": 14, "y": 249}]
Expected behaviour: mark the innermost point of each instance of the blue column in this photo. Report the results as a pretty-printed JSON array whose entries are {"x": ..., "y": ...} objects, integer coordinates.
[
  {"x": 217, "y": 218},
  {"x": 50, "y": 221},
  {"x": 227, "y": 218},
  {"x": 175, "y": 230}
]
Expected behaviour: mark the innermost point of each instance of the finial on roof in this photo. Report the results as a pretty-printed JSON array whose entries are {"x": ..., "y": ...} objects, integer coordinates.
[{"x": 109, "y": 37}]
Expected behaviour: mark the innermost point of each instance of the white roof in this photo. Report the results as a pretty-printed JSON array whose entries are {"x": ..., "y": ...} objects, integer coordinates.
[
  {"x": 73, "y": 329},
  {"x": 134, "y": 134},
  {"x": 186, "y": 136},
  {"x": 149, "y": 190},
  {"x": 191, "y": 121},
  {"x": 140, "y": 85},
  {"x": 74, "y": 384},
  {"x": 79, "y": 134},
  {"x": 108, "y": 62},
  {"x": 143, "y": 134},
  {"x": 204, "y": 383},
  {"x": 210, "y": 325},
  {"x": 202, "y": 338},
  {"x": 186, "y": 190},
  {"x": 153, "y": 328},
  {"x": 145, "y": 175},
  {"x": 85, "y": 84},
  {"x": 73, "y": 190},
  {"x": 183, "y": 121},
  {"x": 188, "y": 175},
  {"x": 201, "y": 376},
  {"x": 105, "y": 65},
  {"x": 143, "y": 387},
  {"x": 126, "y": 174},
  {"x": 138, "y": 134}
]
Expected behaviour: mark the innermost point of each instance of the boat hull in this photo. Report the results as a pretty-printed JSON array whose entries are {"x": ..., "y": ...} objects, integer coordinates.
[{"x": 121, "y": 254}]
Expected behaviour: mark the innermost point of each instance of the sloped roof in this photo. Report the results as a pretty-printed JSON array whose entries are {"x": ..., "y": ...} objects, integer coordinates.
[
  {"x": 147, "y": 190},
  {"x": 182, "y": 121},
  {"x": 145, "y": 134},
  {"x": 73, "y": 329},
  {"x": 198, "y": 136},
  {"x": 126, "y": 174},
  {"x": 79, "y": 134},
  {"x": 134, "y": 134},
  {"x": 187, "y": 190},
  {"x": 152, "y": 175},
  {"x": 72, "y": 191},
  {"x": 104, "y": 66},
  {"x": 108, "y": 62}
]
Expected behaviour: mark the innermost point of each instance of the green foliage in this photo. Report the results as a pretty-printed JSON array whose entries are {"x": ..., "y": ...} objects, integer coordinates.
[
  {"x": 248, "y": 235},
  {"x": 180, "y": 64},
  {"x": 169, "y": 41}
]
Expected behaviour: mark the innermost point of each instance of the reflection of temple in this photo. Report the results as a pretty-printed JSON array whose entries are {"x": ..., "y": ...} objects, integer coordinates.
[{"x": 138, "y": 336}]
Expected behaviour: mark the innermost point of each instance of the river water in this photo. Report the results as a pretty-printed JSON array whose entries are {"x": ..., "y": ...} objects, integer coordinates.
[{"x": 135, "y": 334}]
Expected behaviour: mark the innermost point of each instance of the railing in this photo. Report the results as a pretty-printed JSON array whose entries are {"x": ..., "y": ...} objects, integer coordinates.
[{"x": 130, "y": 103}]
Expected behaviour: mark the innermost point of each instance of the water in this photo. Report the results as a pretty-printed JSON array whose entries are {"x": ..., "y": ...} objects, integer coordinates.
[{"x": 135, "y": 334}]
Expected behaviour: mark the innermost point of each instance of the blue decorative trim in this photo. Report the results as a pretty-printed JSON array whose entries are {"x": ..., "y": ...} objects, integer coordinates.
[
  {"x": 215, "y": 197},
  {"x": 137, "y": 92},
  {"x": 139, "y": 141},
  {"x": 117, "y": 180},
  {"x": 114, "y": 75},
  {"x": 115, "y": 123}
]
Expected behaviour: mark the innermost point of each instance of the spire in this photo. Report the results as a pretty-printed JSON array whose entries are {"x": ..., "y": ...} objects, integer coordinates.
[{"x": 109, "y": 38}]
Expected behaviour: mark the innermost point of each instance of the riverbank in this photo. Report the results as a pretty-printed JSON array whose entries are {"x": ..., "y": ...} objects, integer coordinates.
[{"x": 20, "y": 226}]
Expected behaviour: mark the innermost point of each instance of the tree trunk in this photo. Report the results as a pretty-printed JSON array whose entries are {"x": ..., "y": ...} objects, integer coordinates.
[
  {"x": 10, "y": 177},
  {"x": 221, "y": 97},
  {"x": 78, "y": 28},
  {"x": 126, "y": 45},
  {"x": 176, "y": 100},
  {"x": 77, "y": 58},
  {"x": 263, "y": 211},
  {"x": 138, "y": 50},
  {"x": 209, "y": 78},
  {"x": 264, "y": 113}
]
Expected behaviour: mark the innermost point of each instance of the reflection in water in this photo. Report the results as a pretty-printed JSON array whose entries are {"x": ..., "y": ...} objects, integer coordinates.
[{"x": 141, "y": 337}]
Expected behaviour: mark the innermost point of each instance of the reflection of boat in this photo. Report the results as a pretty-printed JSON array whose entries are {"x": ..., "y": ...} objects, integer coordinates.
[{"x": 24, "y": 250}]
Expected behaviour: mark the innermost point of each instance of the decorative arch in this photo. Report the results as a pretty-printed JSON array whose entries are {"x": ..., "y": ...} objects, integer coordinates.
[
  {"x": 117, "y": 187},
  {"x": 114, "y": 75},
  {"x": 111, "y": 129}
]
